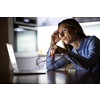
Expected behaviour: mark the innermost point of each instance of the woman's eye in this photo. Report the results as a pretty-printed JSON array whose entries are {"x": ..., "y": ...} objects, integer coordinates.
[{"x": 64, "y": 29}]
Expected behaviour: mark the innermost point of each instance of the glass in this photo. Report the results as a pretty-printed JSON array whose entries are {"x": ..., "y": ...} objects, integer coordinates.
[
  {"x": 26, "y": 40},
  {"x": 41, "y": 63}
]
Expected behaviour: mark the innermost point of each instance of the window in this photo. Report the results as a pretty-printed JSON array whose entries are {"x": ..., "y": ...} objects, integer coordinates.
[
  {"x": 46, "y": 27},
  {"x": 91, "y": 28}
]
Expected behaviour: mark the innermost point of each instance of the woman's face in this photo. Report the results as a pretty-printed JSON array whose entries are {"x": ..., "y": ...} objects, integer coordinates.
[{"x": 66, "y": 33}]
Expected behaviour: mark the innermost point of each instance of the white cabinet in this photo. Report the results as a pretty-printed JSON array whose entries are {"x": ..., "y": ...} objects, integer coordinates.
[{"x": 29, "y": 63}]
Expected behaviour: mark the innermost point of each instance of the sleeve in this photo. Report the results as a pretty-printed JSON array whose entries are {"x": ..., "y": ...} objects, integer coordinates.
[
  {"x": 92, "y": 58},
  {"x": 52, "y": 64}
]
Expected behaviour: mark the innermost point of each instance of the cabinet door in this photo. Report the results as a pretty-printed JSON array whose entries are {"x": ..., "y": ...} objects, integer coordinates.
[{"x": 29, "y": 63}]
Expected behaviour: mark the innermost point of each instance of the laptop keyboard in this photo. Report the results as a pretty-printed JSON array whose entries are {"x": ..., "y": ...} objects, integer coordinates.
[
  {"x": 30, "y": 71},
  {"x": 25, "y": 71}
]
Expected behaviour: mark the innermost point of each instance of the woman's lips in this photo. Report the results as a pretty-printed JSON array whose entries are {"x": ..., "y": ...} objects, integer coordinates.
[{"x": 64, "y": 39}]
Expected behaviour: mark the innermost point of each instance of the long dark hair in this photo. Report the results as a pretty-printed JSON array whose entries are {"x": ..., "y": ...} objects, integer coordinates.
[{"x": 73, "y": 24}]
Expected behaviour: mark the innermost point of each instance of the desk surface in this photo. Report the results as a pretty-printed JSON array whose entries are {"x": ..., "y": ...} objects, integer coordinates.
[{"x": 51, "y": 77}]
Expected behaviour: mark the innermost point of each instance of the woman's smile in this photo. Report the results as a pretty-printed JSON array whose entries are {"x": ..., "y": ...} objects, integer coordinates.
[{"x": 64, "y": 39}]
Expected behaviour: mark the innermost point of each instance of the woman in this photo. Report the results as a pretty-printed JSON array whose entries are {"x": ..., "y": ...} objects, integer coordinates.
[{"x": 85, "y": 54}]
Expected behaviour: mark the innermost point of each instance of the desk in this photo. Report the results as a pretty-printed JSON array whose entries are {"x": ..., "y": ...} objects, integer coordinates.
[{"x": 51, "y": 77}]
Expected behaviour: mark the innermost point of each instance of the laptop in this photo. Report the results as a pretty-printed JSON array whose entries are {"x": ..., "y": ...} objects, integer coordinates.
[{"x": 13, "y": 60}]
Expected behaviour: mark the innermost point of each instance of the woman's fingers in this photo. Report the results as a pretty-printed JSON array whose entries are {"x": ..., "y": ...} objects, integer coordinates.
[
  {"x": 56, "y": 32},
  {"x": 55, "y": 38},
  {"x": 57, "y": 50},
  {"x": 52, "y": 52}
]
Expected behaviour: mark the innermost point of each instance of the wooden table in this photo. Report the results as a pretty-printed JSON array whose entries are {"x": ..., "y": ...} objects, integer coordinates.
[{"x": 51, "y": 77}]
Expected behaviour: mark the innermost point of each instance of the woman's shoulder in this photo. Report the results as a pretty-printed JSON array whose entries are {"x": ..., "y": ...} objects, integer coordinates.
[{"x": 90, "y": 38}]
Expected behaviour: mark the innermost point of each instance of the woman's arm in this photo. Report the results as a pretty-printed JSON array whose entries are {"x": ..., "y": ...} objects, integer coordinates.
[
  {"x": 51, "y": 64},
  {"x": 57, "y": 50},
  {"x": 55, "y": 38},
  {"x": 92, "y": 48}
]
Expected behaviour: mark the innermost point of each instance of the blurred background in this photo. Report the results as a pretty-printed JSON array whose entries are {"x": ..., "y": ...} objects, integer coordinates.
[
  {"x": 30, "y": 37},
  {"x": 33, "y": 34}
]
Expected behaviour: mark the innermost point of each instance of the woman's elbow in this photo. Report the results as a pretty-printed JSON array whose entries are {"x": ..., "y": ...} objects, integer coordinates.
[{"x": 50, "y": 67}]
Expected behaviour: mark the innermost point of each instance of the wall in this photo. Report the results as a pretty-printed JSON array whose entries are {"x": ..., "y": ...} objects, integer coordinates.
[
  {"x": 87, "y": 19},
  {"x": 6, "y": 36}
]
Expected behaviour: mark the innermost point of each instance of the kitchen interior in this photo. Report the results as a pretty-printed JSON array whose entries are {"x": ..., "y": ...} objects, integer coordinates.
[{"x": 31, "y": 37}]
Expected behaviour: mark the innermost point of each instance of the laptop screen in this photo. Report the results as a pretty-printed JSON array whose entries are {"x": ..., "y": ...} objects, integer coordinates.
[{"x": 12, "y": 56}]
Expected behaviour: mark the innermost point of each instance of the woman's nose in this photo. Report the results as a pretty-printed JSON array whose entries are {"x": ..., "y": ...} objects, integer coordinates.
[{"x": 62, "y": 34}]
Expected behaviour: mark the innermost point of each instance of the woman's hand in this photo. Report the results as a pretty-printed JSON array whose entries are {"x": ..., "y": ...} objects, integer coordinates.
[
  {"x": 55, "y": 38},
  {"x": 57, "y": 50}
]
